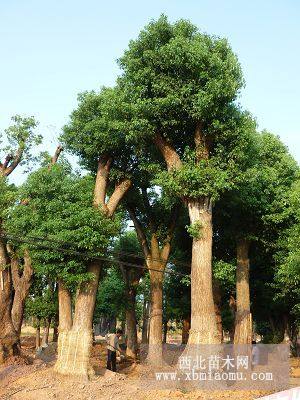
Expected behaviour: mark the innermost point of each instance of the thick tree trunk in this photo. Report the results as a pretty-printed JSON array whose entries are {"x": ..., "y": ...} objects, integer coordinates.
[
  {"x": 145, "y": 322},
  {"x": 132, "y": 343},
  {"x": 155, "y": 331},
  {"x": 9, "y": 339},
  {"x": 243, "y": 323},
  {"x": 186, "y": 324},
  {"x": 203, "y": 316},
  {"x": 21, "y": 284},
  {"x": 74, "y": 345}
]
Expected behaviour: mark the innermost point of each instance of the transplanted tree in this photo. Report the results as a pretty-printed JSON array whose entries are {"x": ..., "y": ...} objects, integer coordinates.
[
  {"x": 60, "y": 224},
  {"x": 94, "y": 134},
  {"x": 181, "y": 85},
  {"x": 17, "y": 141}
]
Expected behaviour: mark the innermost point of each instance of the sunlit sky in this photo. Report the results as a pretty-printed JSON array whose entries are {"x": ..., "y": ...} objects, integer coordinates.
[{"x": 52, "y": 50}]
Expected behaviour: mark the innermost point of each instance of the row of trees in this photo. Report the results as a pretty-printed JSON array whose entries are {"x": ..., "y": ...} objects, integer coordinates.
[{"x": 170, "y": 149}]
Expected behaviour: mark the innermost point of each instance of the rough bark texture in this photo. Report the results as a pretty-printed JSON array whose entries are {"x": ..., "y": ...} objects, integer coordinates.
[
  {"x": 155, "y": 329},
  {"x": 9, "y": 339},
  {"x": 243, "y": 322},
  {"x": 203, "y": 317},
  {"x": 186, "y": 324},
  {"x": 75, "y": 340},
  {"x": 21, "y": 284}
]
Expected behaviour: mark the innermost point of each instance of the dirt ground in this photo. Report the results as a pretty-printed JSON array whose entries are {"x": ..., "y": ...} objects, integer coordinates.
[{"x": 32, "y": 378}]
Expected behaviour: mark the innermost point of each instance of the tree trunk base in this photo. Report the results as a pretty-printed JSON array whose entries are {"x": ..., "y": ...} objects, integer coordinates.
[
  {"x": 9, "y": 347},
  {"x": 155, "y": 355},
  {"x": 73, "y": 354}
]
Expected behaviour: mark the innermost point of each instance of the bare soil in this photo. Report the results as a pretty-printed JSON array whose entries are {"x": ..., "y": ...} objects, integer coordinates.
[{"x": 31, "y": 377}]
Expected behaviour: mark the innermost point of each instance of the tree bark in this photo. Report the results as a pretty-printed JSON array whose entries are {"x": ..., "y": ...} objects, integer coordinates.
[
  {"x": 186, "y": 324},
  {"x": 145, "y": 322},
  {"x": 45, "y": 339},
  {"x": 243, "y": 323},
  {"x": 203, "y": 316},
  {"x": 155, "y": 328},
  {"x": 38, "y": 335},
  {"x": 21, "y": 286},
  {"x": 9, "y": 339},
  {"x": 132, "y": 342},
  {"x": 75, "y": 340}
]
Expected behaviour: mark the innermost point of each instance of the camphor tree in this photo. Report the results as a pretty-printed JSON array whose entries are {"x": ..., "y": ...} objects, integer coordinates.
[
  {"x": 154, "y": 217},
  {"x": 15, "y": 275},
  {"x": 253, "y": 212},
  {"x": 65, "y": 235},
  {"x": 287, "y": 269},
  {"x": 131, "y": 266},
  {"x": 94, "y": 134},
  {"x": 181, "y": 86}
]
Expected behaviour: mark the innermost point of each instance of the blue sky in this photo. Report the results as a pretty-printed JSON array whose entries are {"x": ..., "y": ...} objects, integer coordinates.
[{"x": 52, "y": 50}]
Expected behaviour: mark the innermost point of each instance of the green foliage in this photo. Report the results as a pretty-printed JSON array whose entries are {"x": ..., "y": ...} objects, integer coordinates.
[
  {"x": 195, "y": 229},
  {"x": 42, "y": 302},
  {"x": 96, "y": 128},
  {"x": 60, "y": 208},
  {"x": 111, "y": 295},
  {"x": 20, "y": 138}
]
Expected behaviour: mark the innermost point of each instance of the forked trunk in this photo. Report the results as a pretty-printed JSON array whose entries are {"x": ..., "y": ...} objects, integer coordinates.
[
  {"x": 75, "y": 341},
  {"x": 203, "y": 316},
  {"x": 131, "y": 326},
  {"x": 9, "y": 339},
  {"x": 243, "y": 322},
  {"x": 155, "y": 329},
  {"x": 186, "y": 324}
]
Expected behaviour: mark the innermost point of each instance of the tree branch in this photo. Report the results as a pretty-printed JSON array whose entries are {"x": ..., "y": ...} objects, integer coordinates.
[
  {"x": 201, "y": 143},
  {"x": 104, "y": 165},
  {"x": 56, "y": 155},
  {"x": 148, "y": 209},
  {"x": 15, "y": 161},
  {"x": 168, "y": 152},
  {"x": 119, "y": 192},
  {"x": 165, "y": 252},
  {"x": 139, "y": 231}
]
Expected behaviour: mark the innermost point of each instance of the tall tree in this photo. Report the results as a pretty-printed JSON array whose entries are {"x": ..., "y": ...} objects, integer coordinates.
[
  {"x": 94, "y": 133},
  {"x": 18, "y": 141},
  {"x": 181, "y": 85},
  {"x": 154, "y": 218}
]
